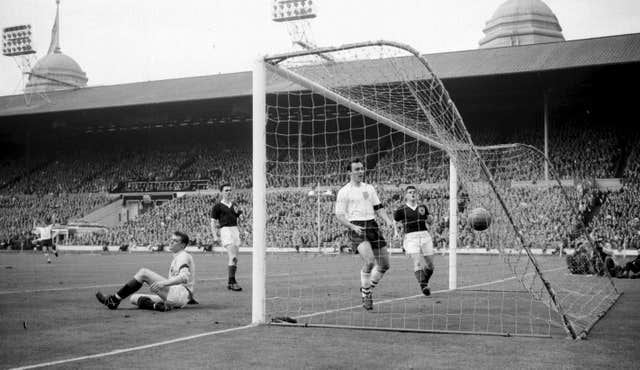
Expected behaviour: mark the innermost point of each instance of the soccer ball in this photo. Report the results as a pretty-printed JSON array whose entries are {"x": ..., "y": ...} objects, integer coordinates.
[{"x": 479, "y": 219}]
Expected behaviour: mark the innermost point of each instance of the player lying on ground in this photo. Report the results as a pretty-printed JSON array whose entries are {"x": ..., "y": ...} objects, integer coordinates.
[
  {"x": 173, "y": 292},
  {"x": 417, "y": 242},
  {"x": 357, "y": 205}
]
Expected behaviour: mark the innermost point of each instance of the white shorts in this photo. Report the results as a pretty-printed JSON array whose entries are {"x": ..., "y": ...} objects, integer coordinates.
[
  {"x": 418, "y": 242},
  {"x": 230, "y": 236},
  {"x": 178, "y": 296}
]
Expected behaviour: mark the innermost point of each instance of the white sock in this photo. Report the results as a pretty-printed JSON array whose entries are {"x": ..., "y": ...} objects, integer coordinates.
[
  {"x": 365, "y": 279},
  {"x": 376, "y": 275}
]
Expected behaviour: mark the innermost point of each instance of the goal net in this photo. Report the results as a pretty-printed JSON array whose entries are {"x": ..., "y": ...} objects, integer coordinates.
[{"x": 381, "y": 102}]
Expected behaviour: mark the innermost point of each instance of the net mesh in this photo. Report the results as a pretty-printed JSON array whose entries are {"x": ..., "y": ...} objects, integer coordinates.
[{"x": 382, "y": 103}]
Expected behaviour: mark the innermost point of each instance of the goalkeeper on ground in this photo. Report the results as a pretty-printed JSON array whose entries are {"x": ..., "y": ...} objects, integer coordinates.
[{"x": 176, "y": 291}]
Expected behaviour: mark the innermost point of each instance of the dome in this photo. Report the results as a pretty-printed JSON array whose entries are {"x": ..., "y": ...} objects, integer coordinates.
[
  {"x": 512, "y": 7},
  {"x": 56, "y": 71},
  {"x": 521, "y": 22}
]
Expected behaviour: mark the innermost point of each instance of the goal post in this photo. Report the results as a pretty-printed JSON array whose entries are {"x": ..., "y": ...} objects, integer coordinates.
[
  {"x": 380, "y": 101},
  {"x": 259, "y": 200}
]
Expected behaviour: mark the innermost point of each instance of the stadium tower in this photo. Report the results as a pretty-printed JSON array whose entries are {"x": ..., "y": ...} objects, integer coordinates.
[
  {"x": 521, "y": 22},
  {"x": 55, "y": 71}
]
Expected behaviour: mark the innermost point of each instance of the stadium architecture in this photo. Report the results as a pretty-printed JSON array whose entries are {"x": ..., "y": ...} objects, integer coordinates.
[
  {"x": 491, "y": 87},
  {"x": 502, "y": 89}
]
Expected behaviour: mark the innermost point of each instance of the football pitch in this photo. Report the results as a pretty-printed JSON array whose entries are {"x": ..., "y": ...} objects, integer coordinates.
[{"x": 49, "y": 317}]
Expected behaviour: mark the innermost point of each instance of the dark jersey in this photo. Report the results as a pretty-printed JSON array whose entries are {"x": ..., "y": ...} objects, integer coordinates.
[
  {"x": 413, "y": 220},
  {"x": 226, "y": 216}
]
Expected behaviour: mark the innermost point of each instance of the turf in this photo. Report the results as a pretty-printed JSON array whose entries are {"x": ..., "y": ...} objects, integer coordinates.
[{"x": 49, "y": 313}]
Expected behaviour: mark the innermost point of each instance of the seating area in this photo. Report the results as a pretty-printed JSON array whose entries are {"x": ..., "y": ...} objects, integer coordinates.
[{"x": 71, "y": 175}]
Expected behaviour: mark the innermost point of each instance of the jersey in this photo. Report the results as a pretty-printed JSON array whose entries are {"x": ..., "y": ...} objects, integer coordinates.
[
  {"x": 182, "y": 264},
  {"x": 357, "y": 202},
  {"x": 44, "y": 233},
  {"x": 413, "y": 219},
  {"x": 226, "y": 215}
]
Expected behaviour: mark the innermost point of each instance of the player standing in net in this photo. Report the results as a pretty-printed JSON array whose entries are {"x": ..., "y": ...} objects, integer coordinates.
[
  {"x": 357, "y": 204},
  {"x": 224, "y": 217},
  {"x": 174, "y": 292},
  {"x": 418, "y": 244}
]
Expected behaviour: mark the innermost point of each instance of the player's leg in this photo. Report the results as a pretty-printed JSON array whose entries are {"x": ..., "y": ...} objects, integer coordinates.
[
  {"x": 380, "y": 253},
  {"x": 45, "y": 249},
  {"x": 231, "y": 240},
  {"x": 368, "y": 262},
  {"x": 381, "y": 258},
  {"x": 426, "y": 262},
  {"x": 143, "y": 275},
  {"x": 54, "y": 248}
]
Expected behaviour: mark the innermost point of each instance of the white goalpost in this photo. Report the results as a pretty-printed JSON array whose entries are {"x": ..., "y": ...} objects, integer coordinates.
[{"x": 313, "y": 111}]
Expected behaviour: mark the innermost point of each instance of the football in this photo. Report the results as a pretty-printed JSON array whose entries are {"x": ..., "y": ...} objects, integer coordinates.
[{"x": 479, "y": 219}]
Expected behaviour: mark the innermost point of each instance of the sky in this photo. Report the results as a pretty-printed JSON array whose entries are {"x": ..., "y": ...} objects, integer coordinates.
[{"x": 122, "y": 41}]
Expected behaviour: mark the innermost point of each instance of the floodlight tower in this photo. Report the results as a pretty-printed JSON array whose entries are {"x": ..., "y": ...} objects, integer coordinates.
[
  {"x": 16, "y": 44},
  {"x": 296, "y": 14}
]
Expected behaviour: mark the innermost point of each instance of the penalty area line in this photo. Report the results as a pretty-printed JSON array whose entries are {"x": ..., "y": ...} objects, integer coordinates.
[{"x": 132, "y": 349}]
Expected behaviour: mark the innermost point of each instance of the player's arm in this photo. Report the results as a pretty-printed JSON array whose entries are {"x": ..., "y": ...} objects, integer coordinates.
[
  {"x": 382, "y": 213},
  {"x": 214, "y": 229},
  {"x": 378, "y": 207},
  {"x": 183, "y": 276}
]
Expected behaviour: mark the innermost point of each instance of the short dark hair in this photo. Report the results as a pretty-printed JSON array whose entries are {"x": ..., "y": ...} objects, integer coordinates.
[
  {"x": 223, "y": 185},
  {"x": 409, "y": 188},
  {"x": 184, "y": 238},
  {"x": 354, "y": 160}
]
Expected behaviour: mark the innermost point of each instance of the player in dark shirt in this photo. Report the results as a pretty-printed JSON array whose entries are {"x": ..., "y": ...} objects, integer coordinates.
[
  {"x": 418, "y": 244},
  {"x": 224, "y": 219}
]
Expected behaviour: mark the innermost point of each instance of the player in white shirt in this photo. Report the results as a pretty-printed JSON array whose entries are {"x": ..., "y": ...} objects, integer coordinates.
[
  {"x": 45, "y": 239},
  {"x": 357, "y": 205},
  {"x": 176, "y": 291}
]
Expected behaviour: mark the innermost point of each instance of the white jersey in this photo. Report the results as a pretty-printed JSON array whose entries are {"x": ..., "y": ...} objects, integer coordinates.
[
  {"x": 357, "y": 202},
  {"x": 182, "y": 264},
  {"x": 45, "y": 232}
]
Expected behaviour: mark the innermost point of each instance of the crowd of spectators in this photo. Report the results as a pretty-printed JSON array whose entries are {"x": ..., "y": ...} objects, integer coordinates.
[{"x": 81, "y": 175}]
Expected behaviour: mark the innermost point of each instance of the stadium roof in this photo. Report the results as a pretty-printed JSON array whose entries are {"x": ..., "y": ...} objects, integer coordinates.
[{"x": 603, "y": 51}]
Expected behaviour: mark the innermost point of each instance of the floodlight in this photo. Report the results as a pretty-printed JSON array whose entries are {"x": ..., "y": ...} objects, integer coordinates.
[
  {"x": 292, "y": 10},
  {"x": 17, "y": 40}
]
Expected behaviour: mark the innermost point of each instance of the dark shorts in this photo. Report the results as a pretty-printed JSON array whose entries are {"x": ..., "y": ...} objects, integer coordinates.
[
  {"x": 46, "y": 243},
  {"x": 371, "y": 234}
]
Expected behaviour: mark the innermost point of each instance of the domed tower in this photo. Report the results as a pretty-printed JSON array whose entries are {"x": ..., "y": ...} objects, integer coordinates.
[
  {"x": 55, "y": 71},
  {"x": 521, "y": 22}
]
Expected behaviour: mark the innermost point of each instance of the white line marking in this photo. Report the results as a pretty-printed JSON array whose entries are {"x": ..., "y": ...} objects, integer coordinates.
[
  {"x": 125, "y": 350},
  {"x": 158, "y": 344}
]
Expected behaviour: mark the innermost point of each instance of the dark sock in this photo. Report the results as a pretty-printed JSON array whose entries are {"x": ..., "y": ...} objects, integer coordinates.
[
  {"x": 232, "y": 274},
  {"x": 428, "y": 272},
  {"x": 129, "y": 288},
  {"x": 421, "y": 276}
]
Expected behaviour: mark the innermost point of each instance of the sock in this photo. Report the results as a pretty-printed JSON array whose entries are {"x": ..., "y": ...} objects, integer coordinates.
[
  {"x": 428, "y": 272},
  {"x": 421, "y": 276},
  {"x": 128, "y": 289},
  {"x": 232, "y": 274},
  {"x": 376, "y": 275},
  {"x": 365, "y": 279}
]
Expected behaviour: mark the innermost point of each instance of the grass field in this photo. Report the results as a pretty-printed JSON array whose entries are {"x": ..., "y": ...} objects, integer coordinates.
[{"x": 49, "y": 316}]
